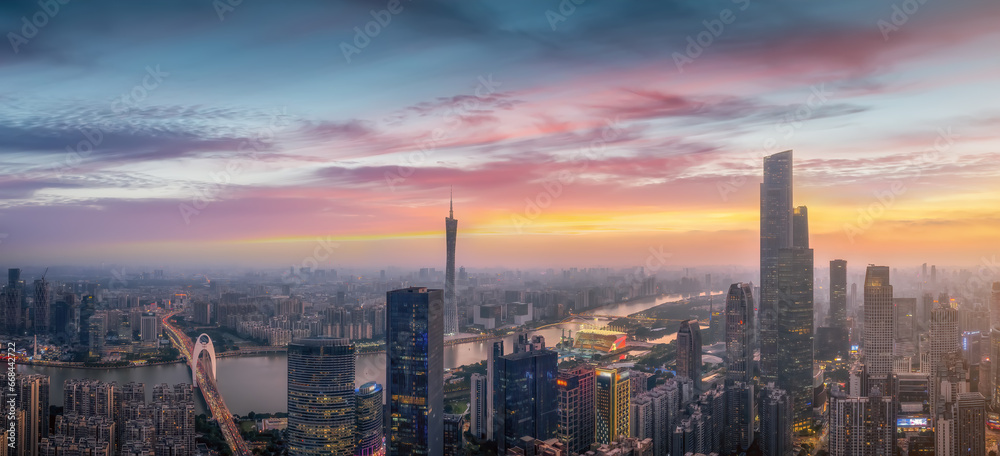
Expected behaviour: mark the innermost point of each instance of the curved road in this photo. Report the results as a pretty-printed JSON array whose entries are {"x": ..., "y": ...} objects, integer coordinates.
[{"x": 210, "y": 392}]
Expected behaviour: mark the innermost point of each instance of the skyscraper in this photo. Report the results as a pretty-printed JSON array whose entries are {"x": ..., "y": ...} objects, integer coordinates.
[
  {"x": 945, "y": 339},
  {"x": 613, "y": 405},
  {"x": 321, "y": 415},
  {"x": 739, "y": 332},
  {"x": 415, "y": 371},
  {"x": 862, "y": 426},
  {"x": 369, "y": 420},
  {"x": 879, "y": 325},
  {"x": 775, "y": 421},
  {"x": 795, "y": 321},
  {"x": 43, "y": 301},
  {"x": 478, "y": 420},
  {"x": 775, "y": 234},
  {"x": 689, "y": 352},
  {"x": 740, "y": 400},
  {"x": 10, "y": 304},
  {"x": 995, "y": 305},
  {"x": 524, "y": 396},
  {"x": 838, "y": 293},
  {"x": 970, "y": 417},
  {"x": 450, "y": 304},
  {"x": 576, "y": 408},
  {"x": 33, "y": 400}
]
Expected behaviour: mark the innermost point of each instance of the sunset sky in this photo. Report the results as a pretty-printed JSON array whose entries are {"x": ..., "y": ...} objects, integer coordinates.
[{"x": 268, "y": 125}]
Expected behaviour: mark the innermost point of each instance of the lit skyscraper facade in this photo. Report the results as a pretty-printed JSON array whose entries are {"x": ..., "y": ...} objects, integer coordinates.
[
  {"x": 775, "y": 234},
  {"x": 33, "y": 401},
  {"x": 369, "y": 420},
  {"x": 795, "y": 321},
  {"x": 838, "y": 293},
  {"x": 862, "y": 426},
  {"x": 576, "y": 408},
  {"x": 613, "y": 405},
  {"x": 689, "y": 351},
  {"x": 524, "y": 396},
  {"x": 880, "y": 326},
  {"x": 450, "y": 304},
  {"x": 321, "y": 411},
  {"x": 415, "y": 371}
]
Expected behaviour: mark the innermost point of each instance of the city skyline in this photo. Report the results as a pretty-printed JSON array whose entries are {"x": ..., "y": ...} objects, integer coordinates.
[{"x": 676, "y": 170}]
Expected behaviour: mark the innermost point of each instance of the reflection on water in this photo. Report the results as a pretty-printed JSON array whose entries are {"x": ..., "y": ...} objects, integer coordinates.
[{"x": 259, "y": 383}]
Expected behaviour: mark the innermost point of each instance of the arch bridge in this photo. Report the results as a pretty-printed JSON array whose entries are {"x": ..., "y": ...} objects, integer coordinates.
[{"x": 202, "y": 344}]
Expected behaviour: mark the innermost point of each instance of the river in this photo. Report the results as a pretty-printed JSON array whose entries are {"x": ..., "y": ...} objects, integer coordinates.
[{"x": 259, "y": 383}]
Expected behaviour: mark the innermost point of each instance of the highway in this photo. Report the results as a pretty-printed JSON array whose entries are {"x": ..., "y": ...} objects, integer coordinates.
[{"x": 209, "y": 391}]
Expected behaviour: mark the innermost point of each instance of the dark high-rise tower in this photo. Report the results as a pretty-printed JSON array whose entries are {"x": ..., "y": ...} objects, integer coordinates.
[
  {"x": 795, "y": 321},
  {"x": 321, "y": 415},
  {"x": 525, "y": 394},
  {"x": 450, "y": 305},
  {"x": 739, "y": 333},
  {"x": 10, "y": 302},
  {"x": 42, "y": 302},
  {"x": 740, "y": 404},
  {"x": 775, "y": 234},
  {"x": 415, "y": 371},
  {"x": 838, "y": 294},
  {"x": 689, "y": 352}
]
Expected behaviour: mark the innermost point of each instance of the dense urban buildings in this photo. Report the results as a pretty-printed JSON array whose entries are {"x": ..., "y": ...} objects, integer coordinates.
[
  {"x": 576, "y": 395},
  {"x": 321, "y": 397},
  {"x": 415, "y": 371},
  {"x": 776, "y": 417}
]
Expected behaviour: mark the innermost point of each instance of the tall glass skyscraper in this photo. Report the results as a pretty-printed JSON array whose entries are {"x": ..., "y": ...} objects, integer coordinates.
[
  {"x": 415, "y": 371},
  {"x": 321, "y": 415},
  {"x": 370, "y": 420},
  {"x": 450, "y": 304},
  {"x": 775, "y": 234},
  {"x": 795, "y": 321}
]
